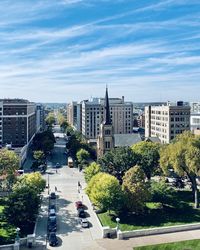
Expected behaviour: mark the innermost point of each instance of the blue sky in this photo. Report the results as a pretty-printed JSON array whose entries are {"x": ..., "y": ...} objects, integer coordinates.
[{"x": 63, "y": 50}]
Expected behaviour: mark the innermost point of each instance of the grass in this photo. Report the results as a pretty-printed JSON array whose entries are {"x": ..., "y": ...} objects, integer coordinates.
[
  {"x": 156, "y": 216},
  {"x": 182, "y": 245}
]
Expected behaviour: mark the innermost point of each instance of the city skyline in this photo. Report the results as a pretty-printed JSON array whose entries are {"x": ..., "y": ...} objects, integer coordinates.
[{"x": 63, "y": 50}]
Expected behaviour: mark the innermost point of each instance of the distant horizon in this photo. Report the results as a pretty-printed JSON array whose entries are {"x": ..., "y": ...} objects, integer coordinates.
[{"x": 64, "y": 50}]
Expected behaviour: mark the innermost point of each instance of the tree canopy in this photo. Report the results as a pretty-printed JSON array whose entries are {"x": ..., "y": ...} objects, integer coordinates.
[
  {"x": 105, "y": 191},
  {"x": 183, "y": 155},
  {"x": 117, "y": 161},
  {"x": 50, "y": 119},
  {"x": 135, "y": 189},
  {"x": 82, "y": 156},
  {"x": 91, "y": 170},
  {"x": 44, "y": 141},
  {"x": 148, "y": 156}
]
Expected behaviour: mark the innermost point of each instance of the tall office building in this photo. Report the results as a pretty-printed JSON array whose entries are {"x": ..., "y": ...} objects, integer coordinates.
[
  {"x": 195, "y": 116},
  {"x": 74, "y": 115},
  {"x": 121, "y": 114},
  {"x": 17, "y": 122},
  {"x": 166, "y": 121},
  {"x": 40, "y": 118}
]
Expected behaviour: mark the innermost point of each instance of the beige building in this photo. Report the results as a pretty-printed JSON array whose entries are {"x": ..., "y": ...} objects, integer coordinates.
[
  {"x": 167, "y": 121},
  {"x": 121, "y": 114},
  {"x": 74, "y": 115}
]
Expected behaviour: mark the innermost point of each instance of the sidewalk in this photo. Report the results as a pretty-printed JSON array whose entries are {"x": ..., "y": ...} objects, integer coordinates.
[{"x": 129, "y": 244}]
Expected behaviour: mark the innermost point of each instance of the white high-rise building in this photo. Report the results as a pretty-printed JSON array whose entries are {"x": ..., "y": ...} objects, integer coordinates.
[
  {"x": 166, "y": 121},
  {"x": 74, "y": 115},
  {"x": 195, "y": 116}
]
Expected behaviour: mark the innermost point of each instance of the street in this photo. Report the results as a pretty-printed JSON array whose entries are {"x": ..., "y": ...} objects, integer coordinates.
[{"x": 65, "y": 180}]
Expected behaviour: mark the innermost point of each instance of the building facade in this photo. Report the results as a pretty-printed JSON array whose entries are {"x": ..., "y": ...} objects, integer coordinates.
[
  {"x": 195, "y": 116},
  {"x": 121, "y": 115},
  {"x": 167, "y": 121},
  {"x": 74, "y": 115},
  {"x": 17, "y": 122},
  {"x": 40, "y": 118}
]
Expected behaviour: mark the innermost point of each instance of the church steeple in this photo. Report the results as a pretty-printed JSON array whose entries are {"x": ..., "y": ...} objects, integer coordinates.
[{"x": 107, "y": 120}]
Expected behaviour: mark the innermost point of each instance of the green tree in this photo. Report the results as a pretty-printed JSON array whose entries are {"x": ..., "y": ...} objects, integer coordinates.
[
  {"x": 22, "y": 207},
  {"x": 39, "y": 156},
  {"x": 162, "y": 192},
  {"x": 62, "y": 121},
  {"x": 82, "y": 156},
  {"x": 105, "y": 191},
  {"x": 183, "y": 155},
  {"x": 148, "y": 156},
  {"x": 50, "y": 119},
  {"x": 117, "y": 161},
  {"x": 135, "y": 189},
  {"x": 33, "y": 180},
  {"x": 91, "y": 170},
  {"x": 44, "y": 141},
  {"x": 9, "y": 163}
]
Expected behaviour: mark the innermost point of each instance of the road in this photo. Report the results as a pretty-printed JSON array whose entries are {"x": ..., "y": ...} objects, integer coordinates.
[{"x": 70, "y": 234}]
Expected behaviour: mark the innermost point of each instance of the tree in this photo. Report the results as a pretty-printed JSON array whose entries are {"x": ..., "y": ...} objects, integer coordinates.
[
  {"x": 148, "y": 156},
  {"x": 22, "y": 207},
  {"x": 117, "y": 161},
  {"x": 62, "y": 121},
  {"x": 50, "y": 119},
  {"x": 44, "y": 141},
  {"x": 183, "y": 155},
  {"x": 135, "y": 189},
  {"x": 161, "y": 192},
  {"x": 82, "y": 156},
  {"x": 105, "y": 191},
  {"x": 9, "y": 163},
  {"x": 33, "y": 180},
  {"x": 91, "y": 170},
  {"x": 39, "y": 156}
]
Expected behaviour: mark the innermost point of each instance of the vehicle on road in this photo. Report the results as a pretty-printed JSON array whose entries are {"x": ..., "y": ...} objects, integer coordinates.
[
  {"x": 53, "y": 240},
  {"x": 70, "y": 162},
  {"x": 52, "y": 227},
  {"x": 81, "y": 213},
  {"x": 58, "y": 165},
  {"x": 79, "y": 204},
  {"x": 84, "y": 223},
  {"x": 53, "y": 195},
  {"x": 52, "y": 206},
  {"x": 52, "y": 212}
]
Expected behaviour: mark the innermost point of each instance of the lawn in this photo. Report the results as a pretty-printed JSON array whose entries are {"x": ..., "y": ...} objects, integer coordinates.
[
  {"x": 156, "y": 216},
  {"x": 182, "y": 245}
]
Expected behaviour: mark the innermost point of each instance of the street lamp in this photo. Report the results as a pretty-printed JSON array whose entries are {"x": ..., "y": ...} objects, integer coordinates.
[
  {"x": 17, "y": 234},
  {"x": 117, "y": 220}
]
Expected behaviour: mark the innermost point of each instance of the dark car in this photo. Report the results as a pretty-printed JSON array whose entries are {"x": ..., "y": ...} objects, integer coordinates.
[
  {"x": 79, "y": 204},
  {"x": 52, "y": 206},
  {"x": 53, "y": 195},
  {"x": 81, "y": 213},
  {"x": 52, "y": 227},
  {"x": 53, "y": 240},
  {"x": 52, "y": 220}
]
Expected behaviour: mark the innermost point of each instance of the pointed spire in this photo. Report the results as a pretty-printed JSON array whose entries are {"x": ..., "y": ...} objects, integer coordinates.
[{"x": 107, "y": 120}]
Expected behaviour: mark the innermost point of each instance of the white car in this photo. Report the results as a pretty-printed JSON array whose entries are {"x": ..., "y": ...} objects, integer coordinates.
[{"x": 84, "y": 223}]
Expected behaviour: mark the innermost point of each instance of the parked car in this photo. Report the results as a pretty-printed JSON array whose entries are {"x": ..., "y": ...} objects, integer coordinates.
[
  {"x": 79, "y": 204},
  {"x": 58, "y": 165},
  {"x": 84, "y": 223},
  {"x": 52, "y": 227},
  {"x": 52, "y": 212},
  {"x": 81, "y": 213},
  {"x": 52, "y": 206},
  {"x": 53, "y": 240},
  {"x": 53, "y": 195}
]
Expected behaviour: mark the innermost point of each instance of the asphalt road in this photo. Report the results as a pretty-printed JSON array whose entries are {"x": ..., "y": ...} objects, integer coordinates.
[{"x": 70, "y": 233}]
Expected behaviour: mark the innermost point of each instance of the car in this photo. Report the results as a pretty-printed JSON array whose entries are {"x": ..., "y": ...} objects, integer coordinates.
[
  {"x": 84, "y": 223},
  {"x": 53, "y": 195},
  {"x": 52, "y": 212},
  {"x": 81, "y": 213},
  {"x": 58, "y": 165},
  {"x": 79, "y": 204},
  {"x": 52, "y": 220},
  {"x": 53, "y": 240},
  {"x": 52, "y": 206},
  {"x": 52, "y": 227}
]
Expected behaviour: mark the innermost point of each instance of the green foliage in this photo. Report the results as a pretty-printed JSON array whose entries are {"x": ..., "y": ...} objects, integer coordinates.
[
  {"x": 82, "y": 156},
  {"x": 62, "y": 121},
  {"x": 22, "y": 207},
  {"x": 162, "y": 192},
  {"x": 183, "y": 155},
  {"x": 117, "y": 161},
  {"x": 9, "y": 162},
  {"x": 91, "y": 170},
  {"x": 105, "y": 191},
  {"x": 33, "y": 180},
  {"x": 39, "y": 155},
  {"x": 148, "y": 156},
  {"x": 44, "y": 141},
  {"x": 136, "y": 189},
  {"x": 50, "y": 119}
]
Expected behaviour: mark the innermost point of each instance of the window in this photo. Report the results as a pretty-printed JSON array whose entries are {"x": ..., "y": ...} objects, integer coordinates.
[
  {"x": 107, "y": 144},
  {"x": 107, "y": 132}
]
